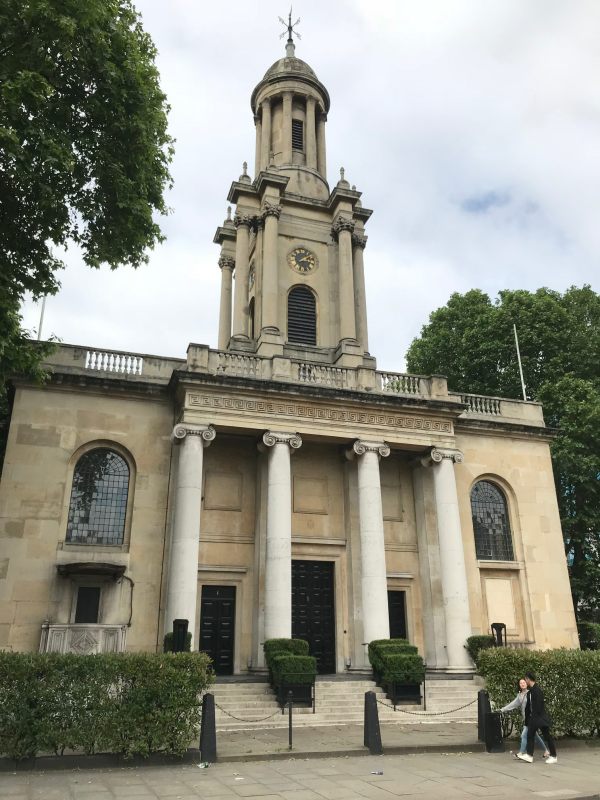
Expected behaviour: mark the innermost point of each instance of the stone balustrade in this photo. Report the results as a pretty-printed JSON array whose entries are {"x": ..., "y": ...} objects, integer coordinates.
[
  {"x": 82, "y": 638},
  {"x": 200, "y": 358}
]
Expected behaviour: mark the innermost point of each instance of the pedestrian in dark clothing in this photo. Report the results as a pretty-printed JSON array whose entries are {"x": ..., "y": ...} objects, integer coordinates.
[{"x": 536, "y": 719}]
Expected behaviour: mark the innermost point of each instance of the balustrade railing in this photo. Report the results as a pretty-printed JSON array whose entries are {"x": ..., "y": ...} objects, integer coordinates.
[
  {"x": 318, "y": 374},
  {"x": 111, "y": 361},
  {"x": 238, "y": 364},
  {"x": 480, "y": 404},
  {"x": 400, "y": 383}
]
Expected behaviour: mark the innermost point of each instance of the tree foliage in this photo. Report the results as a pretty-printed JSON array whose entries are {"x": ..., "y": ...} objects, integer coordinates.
[
  {"x": 84, "y": 147},
  {"x": 471, "y": 341}
]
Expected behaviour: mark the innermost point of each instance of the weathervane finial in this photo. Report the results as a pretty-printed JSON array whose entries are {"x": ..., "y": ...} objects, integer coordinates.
[{"x": 290, "y": 29}]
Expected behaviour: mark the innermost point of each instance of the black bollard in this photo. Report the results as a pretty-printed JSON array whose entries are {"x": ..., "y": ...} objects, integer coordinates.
[
  {"x": 372, "y": 732},
  {"x": 208, "y": 731},
  {"x": 290, "y": 708},
  {"x": 483, "y": 708},
  {"x": 494, "y": 742}
]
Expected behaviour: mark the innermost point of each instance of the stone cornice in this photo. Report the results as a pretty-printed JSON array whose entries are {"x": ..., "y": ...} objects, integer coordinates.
[
  {"x": 241, "y": 189},
  {"x": 340, "y": 194},
  {"x": 224, "y": 233},
  {"x": 269, "y": 178}
]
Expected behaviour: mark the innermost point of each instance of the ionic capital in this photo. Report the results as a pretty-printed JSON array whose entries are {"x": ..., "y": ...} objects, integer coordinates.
[
  {"x": 359, "y": 241},
  {"x": 182, "y": 430},
  {"x": 243, "y": 219},
  {"x": 227, "y": 262},
  {"x": 271, "y": 438},
  {"x": 341, "y": 224},
  {"x": 271, "y": 210},
  {"x": 438, "y": 454},
  {"x": 360, "y": 447}
]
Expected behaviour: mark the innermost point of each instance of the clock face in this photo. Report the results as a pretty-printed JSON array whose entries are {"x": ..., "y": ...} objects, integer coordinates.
[{"x": 302, "y": 260}]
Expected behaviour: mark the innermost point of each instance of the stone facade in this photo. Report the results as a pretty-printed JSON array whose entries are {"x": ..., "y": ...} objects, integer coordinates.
[{"x": 250, "y": 463}]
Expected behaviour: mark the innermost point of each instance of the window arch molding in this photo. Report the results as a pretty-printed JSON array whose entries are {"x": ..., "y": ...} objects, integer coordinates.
[
  {"x": 302, "y": 315},
  {"x": 126, "y": 455},
  {"x": 501, "y": 500}
]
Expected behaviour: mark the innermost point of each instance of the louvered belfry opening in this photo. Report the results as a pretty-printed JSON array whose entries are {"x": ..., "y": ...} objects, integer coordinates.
[
  {"x": 297, "y": 134},
  {"x": 302, "y": 316}
]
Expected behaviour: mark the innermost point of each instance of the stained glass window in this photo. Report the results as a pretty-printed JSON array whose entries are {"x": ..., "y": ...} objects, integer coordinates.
[
  {"x": 98, "y": 498},
  {"x": 493, "y": 540}
]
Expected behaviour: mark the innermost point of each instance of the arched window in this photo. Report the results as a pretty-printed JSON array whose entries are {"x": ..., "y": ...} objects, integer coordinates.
[
  {"x": 98, "y": 498},
  {"x": 302, "y": 316},
  {"x": 493, "y": 540}
]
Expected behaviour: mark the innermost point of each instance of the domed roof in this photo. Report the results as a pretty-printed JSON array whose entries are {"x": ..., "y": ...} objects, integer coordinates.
[{"x": 290, "y": 65}]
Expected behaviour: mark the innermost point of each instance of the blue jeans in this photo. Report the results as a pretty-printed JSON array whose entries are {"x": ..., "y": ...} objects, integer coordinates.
[{"x": 538, "y": 739}]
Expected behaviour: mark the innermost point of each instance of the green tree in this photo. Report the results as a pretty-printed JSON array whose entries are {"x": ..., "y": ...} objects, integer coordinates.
[
  {"x": 84, "y": 148},
  {"x": 471, "y": 341}
]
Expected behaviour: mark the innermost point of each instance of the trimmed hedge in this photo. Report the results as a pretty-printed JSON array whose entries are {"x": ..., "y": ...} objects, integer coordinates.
[
  {"x": 403, "y": 668},
  {"x": 589, "y": 635},
  {"x": 168, "y": 642},
  {"x": 475, "y": 644},
  {"x": 289, "y": 668},
  {"x": 295, "y": 646},
  {"x": 380, "y": 648},
  {"x": 570, "y": 680},
  {"x": 126, "y": 703}
]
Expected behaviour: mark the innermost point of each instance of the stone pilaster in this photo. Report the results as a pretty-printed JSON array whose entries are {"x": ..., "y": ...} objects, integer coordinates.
[
  {"x": 278, "y": 565},
  {"x": 372, "y": 544},
  {"x": 321, "y": 147},
  {"x": 452, "y": 558},
  {"x": 227, "y": 265},
  {"x": 240, "y": 298},
  {"x": 265, "y": 136},
  {"x": 270, "y": 272},
  {"x": 286, "y": 128},
  {"x": 311, "y": 133},
  {"x": 360, "y": 295},
  {"x": 185, "y": 539},
  {"x": 342, "y": 231}
]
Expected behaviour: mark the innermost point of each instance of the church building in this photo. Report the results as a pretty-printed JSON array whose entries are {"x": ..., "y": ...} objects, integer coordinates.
[{"x": 281, "y": 484}]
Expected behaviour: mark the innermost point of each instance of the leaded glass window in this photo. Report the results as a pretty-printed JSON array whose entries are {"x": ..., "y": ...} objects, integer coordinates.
[
  {"x": 98, "y": 498},
  {"x": 493, "y": 540}
]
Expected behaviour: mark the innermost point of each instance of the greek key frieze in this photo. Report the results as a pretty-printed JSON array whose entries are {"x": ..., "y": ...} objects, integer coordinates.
[{"x": 323, "y": 413}]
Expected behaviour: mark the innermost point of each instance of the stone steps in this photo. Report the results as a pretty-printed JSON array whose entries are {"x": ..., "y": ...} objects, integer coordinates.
[{"x": 251, "y": 706}]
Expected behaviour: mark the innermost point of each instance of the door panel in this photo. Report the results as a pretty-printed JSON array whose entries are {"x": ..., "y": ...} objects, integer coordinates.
[
  {"x": 397, "y": 612},
  {"x": 313, "y": 610},
  {"x": 217, "y": 626}
]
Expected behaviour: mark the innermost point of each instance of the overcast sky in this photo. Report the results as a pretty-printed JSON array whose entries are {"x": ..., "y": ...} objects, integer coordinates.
[{"x": 472, "y": 129}]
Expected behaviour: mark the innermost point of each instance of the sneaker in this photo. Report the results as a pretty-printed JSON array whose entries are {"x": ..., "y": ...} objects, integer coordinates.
[
  {"x": 551, "y": 760},
  {"x": 514, "y": 753},
  {"x": 525, "y": 757},
  {"x": 546, "y": 754}
]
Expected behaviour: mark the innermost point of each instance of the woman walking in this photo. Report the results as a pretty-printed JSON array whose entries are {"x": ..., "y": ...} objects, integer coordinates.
[{"x": 520, "y": 703}]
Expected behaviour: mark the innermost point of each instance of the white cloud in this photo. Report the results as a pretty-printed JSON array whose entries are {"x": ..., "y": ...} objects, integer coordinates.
[{"x": 435, "y": 103}]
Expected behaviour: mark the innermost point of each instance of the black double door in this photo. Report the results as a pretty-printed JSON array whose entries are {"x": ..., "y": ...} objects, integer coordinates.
[
  {"x": 313, "y": 610},
  {"x": 217, "y": 626}
]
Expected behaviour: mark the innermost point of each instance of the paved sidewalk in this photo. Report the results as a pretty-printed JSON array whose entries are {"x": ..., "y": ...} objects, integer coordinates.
[{"x": 460, "y": 776}]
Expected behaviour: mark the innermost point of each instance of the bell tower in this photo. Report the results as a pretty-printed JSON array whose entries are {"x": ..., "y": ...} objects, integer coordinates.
[{"x": 292, "y": 253}]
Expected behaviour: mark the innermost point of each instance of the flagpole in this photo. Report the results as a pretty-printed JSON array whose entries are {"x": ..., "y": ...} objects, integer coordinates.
[{"x": 519, "y": 360}]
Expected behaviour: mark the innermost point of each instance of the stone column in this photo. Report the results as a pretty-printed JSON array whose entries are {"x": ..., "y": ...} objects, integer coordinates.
[
  {"x": 270, "y": 273},
  {"x": 240, "y": 298},
  {"x": 227, "y": 264},
  {"x": 278, "y": 566},
  {"x": 311, "y": 133},
  {"x": 452, "y": 559},
  {"x": 321, "y": 149},
  {"x": 286, "y": 128},
  {"x": 342, "y": 230},
  {"x": 360, "y": 295},
  {"x": 185, "y": 539},
  {"x": 376, "y": 622},
  {"x": 265, "y": 134},
  {"x": 258, "y": 147}
]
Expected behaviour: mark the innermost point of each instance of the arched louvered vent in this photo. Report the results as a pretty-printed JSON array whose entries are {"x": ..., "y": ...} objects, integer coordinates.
[
  {"x": 302, "y": 316},
  {"x": 251, "y": 317}
]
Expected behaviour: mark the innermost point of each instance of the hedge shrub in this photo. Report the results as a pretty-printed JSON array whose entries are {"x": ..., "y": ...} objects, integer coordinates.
[
  {"x": 403, "y": 668},
  {"x": 168, "y": 642},
  {"x": 126, "y": 703},
  {"x": 475, "y": 644},
  {"x": 378, "y": 648},
  {"x": 295, "y": 646},
  {"x": 570, "y": 680},
  {"x": 589, "y": 635},
  {"x": 290, "y": 668}
]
